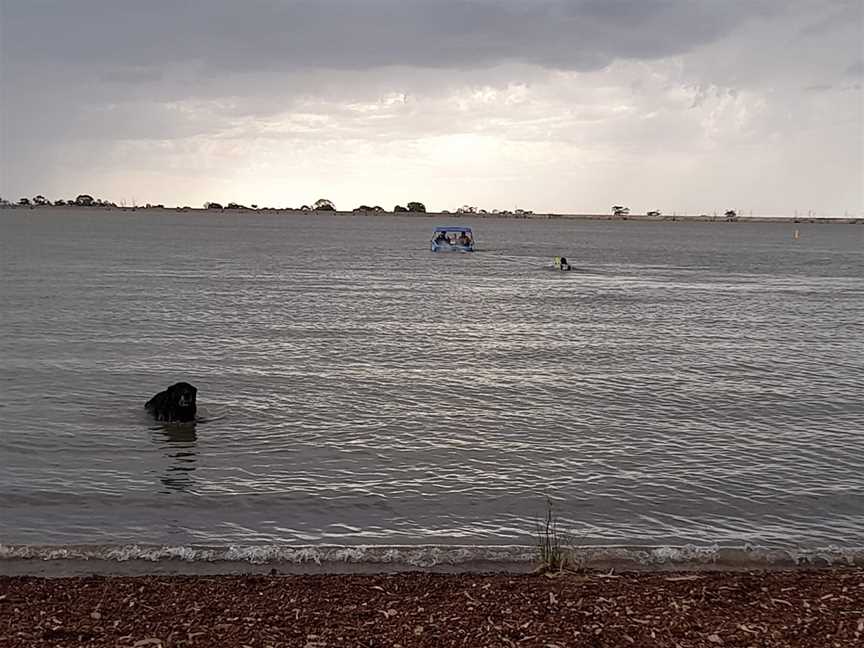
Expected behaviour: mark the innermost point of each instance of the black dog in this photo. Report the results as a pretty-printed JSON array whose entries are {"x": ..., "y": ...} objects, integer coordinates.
[{"x": 174, "y": 405}]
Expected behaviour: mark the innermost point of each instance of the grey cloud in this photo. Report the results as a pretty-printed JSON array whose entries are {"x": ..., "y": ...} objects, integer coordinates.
[
  {"x": 818, "y": 87},
  {"x": 132, "y": 74},
  {"x": 103, "y": 89},
  {"x": 837, "y": 13},
  {"x": 343, "y": 34}
]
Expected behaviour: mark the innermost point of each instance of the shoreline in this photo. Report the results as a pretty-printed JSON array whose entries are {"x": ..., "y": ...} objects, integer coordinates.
[
  {"x": 638, "y": 218},
  {"x": 140, "y": 560},
  {"x": 806, "y": 609}
]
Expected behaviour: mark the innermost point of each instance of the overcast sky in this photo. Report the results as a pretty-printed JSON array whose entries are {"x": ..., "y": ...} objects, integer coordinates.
[{"x": 551, "y": 105}]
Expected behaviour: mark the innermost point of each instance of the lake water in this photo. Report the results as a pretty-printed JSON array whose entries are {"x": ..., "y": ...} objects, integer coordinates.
[{"x": 687, "y": 383}]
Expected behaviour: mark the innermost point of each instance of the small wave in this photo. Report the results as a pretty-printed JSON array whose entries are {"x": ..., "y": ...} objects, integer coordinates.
[{"x": 469, "y": 557}]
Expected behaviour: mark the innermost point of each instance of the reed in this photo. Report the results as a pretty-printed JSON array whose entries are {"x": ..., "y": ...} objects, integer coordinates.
[{"x": 553, "y": 552}]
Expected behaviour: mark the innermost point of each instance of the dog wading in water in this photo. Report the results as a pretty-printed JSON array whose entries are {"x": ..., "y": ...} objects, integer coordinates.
[{"x": 174, "y": 405}]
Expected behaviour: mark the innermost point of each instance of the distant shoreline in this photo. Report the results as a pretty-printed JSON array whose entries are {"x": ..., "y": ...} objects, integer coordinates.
[{"x": 641, "y": 218}]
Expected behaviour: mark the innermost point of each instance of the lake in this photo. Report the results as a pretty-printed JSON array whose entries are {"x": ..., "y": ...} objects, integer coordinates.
[{"x": 686, "y": 383}]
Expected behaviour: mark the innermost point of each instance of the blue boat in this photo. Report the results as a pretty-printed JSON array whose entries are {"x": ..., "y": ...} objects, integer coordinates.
[{"x": 452, "y": 239}]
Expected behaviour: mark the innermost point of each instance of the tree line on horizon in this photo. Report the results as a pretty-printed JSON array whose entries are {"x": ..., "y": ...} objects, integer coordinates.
[
  {"x": 82, "y": 200},
  {"x": 320, "y": 205},
  {"x": 86, "y": 200}
]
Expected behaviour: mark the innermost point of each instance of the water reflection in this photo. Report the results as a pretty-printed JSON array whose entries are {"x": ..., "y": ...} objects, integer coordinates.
[{"x": 180, "y": 443}]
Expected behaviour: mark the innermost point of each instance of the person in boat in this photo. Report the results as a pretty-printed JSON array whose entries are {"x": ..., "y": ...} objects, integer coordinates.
[
  {"x": 563, "y": 264},
  {"x": 443, "y": 238},
  {"x": 465, "y": 239}
]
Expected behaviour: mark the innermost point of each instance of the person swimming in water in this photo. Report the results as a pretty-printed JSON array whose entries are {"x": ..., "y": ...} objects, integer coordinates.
[{"x": 561, "y": 264}]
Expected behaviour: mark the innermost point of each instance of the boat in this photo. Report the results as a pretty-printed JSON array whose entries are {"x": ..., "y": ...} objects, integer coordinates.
[{"x": 452, "y": 239}]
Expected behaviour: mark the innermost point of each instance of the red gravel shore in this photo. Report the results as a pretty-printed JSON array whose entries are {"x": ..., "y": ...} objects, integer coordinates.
[{"x": 812, "y": 609}]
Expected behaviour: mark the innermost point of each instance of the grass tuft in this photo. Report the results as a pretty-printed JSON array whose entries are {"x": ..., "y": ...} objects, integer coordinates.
[{"x": 552, "y": 551}]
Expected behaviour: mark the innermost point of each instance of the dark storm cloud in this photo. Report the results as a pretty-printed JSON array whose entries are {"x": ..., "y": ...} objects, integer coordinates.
[{"x": 142, "y": 37}]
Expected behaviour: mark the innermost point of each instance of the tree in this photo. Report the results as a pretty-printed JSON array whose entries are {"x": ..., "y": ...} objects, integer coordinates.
[
  {"x": 466, "y": 209},
  {"x": 84, "y": 200},
  {"x": 24, "y": 202},
  {"x": 41, "y": 201},
  {"x": 60, "y": 203},
  {"x": 619, "y": 210},
  {"x": 653, "y": 213},
  {"x": 212, "y": 205},
  {"x": 364, "y": 208},
  {"x": 731, "y": 213},
  {"x": 417, "y": 207},
  {"x": 399, "y": 209},
  {"x": 322, "y": 204}
]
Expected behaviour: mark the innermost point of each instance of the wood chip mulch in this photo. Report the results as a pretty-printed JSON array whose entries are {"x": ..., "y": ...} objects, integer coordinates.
[{"x": 818, "y": 609}]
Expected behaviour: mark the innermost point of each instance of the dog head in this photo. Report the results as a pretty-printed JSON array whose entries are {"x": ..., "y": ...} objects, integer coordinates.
[{"x": 182, "y": 395}]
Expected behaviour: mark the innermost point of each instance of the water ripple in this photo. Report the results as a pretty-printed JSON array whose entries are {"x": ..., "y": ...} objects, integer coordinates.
[{"x": 688, "y": 384}]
